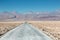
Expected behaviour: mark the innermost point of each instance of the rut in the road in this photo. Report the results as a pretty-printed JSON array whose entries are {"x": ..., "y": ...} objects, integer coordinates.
[{"x": 25, "y": 32}]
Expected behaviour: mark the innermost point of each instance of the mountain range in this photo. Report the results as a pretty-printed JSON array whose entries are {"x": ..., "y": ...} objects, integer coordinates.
[{"x": 31, "y": 16}]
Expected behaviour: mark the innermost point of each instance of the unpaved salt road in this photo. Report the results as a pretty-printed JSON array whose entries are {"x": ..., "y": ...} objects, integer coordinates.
[{"x": 25, "y": 32}]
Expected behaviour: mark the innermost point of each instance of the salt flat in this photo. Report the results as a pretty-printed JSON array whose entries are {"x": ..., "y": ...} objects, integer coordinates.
[{"x": 25, "y": 32}]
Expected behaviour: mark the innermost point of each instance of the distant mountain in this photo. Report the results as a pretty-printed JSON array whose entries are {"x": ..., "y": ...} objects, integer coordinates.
[
  {"x": 43, "y": 16},
  {"x": 36, "y": 16}
]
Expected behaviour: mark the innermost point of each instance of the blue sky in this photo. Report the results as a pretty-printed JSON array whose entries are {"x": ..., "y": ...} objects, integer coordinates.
[{"x": 29, "y": 5}]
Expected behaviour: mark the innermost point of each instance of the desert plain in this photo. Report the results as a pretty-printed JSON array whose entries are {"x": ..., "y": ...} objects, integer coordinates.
[{"x": 51, "y": 28}]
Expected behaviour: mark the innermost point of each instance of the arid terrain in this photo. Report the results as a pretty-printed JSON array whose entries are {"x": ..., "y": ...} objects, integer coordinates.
[
  {"x": 51, "y": 28},
  {"x": 6, "y": 26}
]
